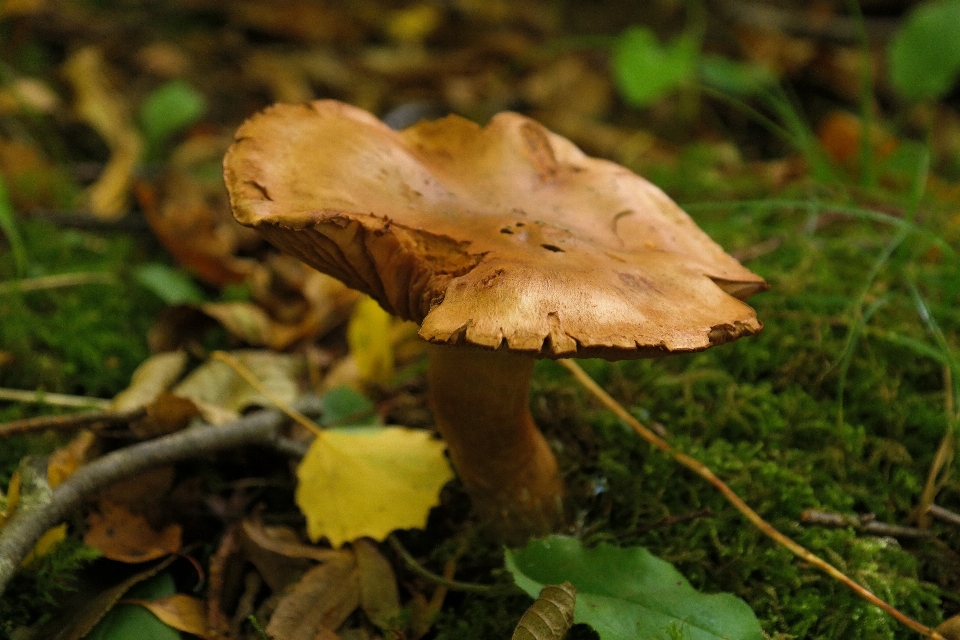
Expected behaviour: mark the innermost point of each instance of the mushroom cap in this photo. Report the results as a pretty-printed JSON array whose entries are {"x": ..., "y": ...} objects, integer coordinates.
[{"x": 504, "y": 236}]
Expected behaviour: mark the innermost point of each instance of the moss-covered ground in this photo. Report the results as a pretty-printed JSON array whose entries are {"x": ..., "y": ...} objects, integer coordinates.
[{"x": 839, "y": 405}]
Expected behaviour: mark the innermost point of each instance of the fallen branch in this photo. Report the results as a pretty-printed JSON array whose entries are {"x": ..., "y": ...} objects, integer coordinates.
[
  {"x": 69, "y": 421},
  {"x": 865, "y": 524},
  {"x": 944, "y": 514},
  {"x": 53, "y": 399},
  {"x": 27, "y": 525},
  {"x": 704, "y": 472},
  {"x": 58, "y": 281}
]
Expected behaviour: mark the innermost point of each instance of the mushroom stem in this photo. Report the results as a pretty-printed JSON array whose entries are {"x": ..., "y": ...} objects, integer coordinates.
[{"x": 480, "y": 402}]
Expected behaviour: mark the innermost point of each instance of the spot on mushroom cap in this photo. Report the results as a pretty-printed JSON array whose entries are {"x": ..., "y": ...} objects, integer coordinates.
[{"x": 500, "y": 236}]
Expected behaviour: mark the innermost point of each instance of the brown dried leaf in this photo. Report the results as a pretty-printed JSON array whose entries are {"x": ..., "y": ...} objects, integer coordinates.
[
  {"x": 379, "y": 596},
  {"x": 101, "y": 106},
  {"x": 221, "y": 394},
  {"x": 950, "y": 628},
  {"x": 323, "y": 599},
  {"x": 72, "y": 624},
  {"x": 841, "y": 132},
  {"x": 126, "y": 537},
  {"x": 196, "y": 228},
  {"x": 551, "y": 616},
  {"x": 179, "y": 611},
  {"x": 167, "y": 414},
  {"x": 278, "y": 554},
  {"x": 65, "y": 460},
  {"x": 152, "y": 377},
  {"x": 141, "y": 491}
]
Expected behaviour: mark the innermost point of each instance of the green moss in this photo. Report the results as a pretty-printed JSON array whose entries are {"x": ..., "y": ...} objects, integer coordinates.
[
  {"x": 83, "y": 340},
  {"x": 33, "y": 594}
]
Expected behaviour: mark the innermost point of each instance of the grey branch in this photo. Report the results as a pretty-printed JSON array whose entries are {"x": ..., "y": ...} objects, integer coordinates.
[{"x": 28, "y": 525}]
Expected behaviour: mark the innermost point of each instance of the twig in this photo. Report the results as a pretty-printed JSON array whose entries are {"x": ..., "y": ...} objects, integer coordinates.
[
  {"x": 70, "y": 421},
  {"x": 865, "y": 523},
  {"x": 58, "y": 281},
  {"x": 27, "y": 525},
  {"x": 944, "y": 514},
  {"x": 704, "y": 472},
  {"x": 423, "y": 572},
  {"x": 52, "y": 399}
]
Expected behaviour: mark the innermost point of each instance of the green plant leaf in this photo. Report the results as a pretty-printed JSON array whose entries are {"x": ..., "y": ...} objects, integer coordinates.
[
  {"x": 924, "y": 55},
  {"x": 629, "y": 593},
  {"x": 646, "y": 70},
  {"x": 134, "y": 622},
  {"x": 170, "y": 285},
  {"x": 343, "y": 405},
  {"x": 168, "y": 109},
  {"x": 733, "y": 77}
]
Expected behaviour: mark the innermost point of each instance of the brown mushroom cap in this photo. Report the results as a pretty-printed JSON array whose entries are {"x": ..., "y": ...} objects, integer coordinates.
[{"x": 500, "y": 236}]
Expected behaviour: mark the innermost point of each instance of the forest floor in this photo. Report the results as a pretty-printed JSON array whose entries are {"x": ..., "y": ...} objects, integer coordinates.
[{"x": 118, "y": 244}]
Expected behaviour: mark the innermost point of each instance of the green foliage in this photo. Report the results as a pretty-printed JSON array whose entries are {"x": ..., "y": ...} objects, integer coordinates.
[
  {"x": 646, "y": 70},
  {"x": 629, "y": 593},
  {"x": 35, "y": 591},
  {"x": 134, "y": 622},
  {"x": 169, "y": 109},
  {"x": 924, "y": 56},
  {"x": 345, "y": 406},
  {"x": 173, "y": 286},
  {"x": 86, "y": 339},
  {"x": 734, "y": 78}
]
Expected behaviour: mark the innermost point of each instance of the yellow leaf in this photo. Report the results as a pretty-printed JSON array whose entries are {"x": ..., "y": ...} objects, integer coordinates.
[
  {"x": 367, "y": 482},
  {"x": 46, "y": 543},
  {"x": 66, "y": 460},
  {"x": 179, "y": 611},
  {"x": 370, "y": 340}
]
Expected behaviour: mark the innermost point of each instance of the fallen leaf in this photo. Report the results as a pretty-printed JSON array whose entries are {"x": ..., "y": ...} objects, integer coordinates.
[
  {"x": 324, "y": 598},
  {"x": 153, "y": 376},
  {"x": 278, "y": 554},
  {"x": 840, "y": 133},
  {"x": 103, "y": 108},
  {"x": 221, "y": 394},
  {"x": 166, "y": 414},
  {"x": 253, "y": 325},
  {"x": 141, "y": 491},
  {"x": 121, "y": 535},
  {"x": 179, "y": 611},
  {"x": 368, "y": 335},
  {"x": 66, "y": 460},
  {"x": 76, "y": 623},
  {"x": 196, "y": 227},
  {"x": 369, "y": 481},
  {"x": 127, "y": 621},
  {"x": 379, "y": 597},
  {"x": 950, "y": 628},
  {"x": 627, "y": 593},
  {"x": 47, "y": 543},
  {"x": 550, "y": 616}
]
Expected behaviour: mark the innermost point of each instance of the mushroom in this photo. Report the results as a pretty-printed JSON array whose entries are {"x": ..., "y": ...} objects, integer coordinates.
[{"x": 505, "y": 243}]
